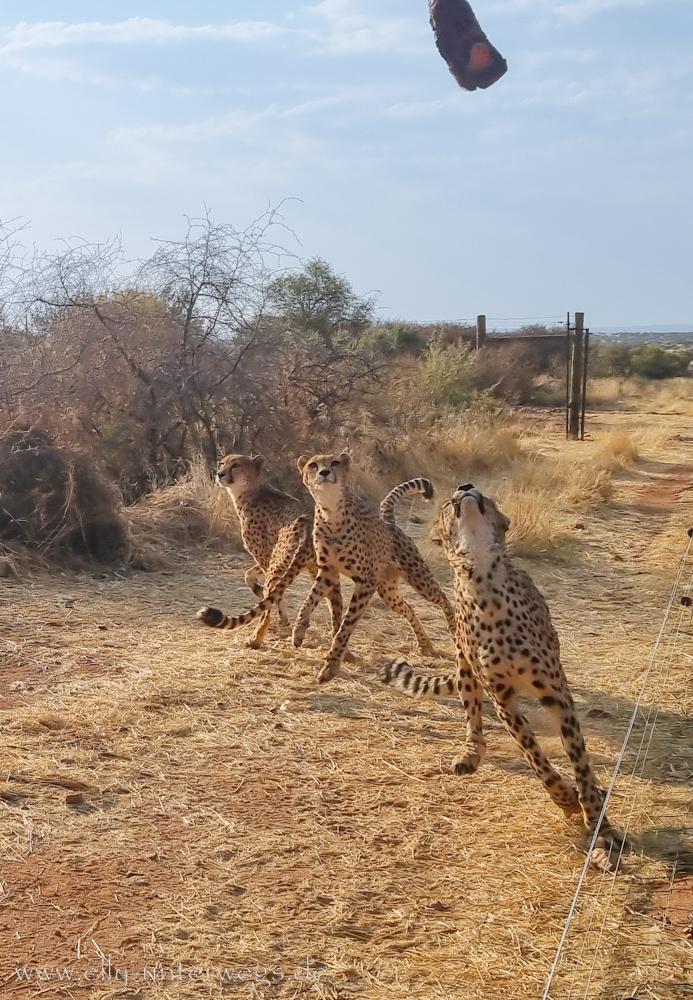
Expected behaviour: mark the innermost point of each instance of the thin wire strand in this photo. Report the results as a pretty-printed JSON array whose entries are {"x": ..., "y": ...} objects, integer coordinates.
[
  {"x": 640, "y": 759},
  {"x": 610, "y": 788}
]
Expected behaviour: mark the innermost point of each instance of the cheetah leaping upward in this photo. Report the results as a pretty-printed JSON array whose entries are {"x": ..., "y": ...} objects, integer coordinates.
[
  {"x": 506, "y": 646},
  {"x": 274, "y": 527},
  {"x": 350, "y": 538}
]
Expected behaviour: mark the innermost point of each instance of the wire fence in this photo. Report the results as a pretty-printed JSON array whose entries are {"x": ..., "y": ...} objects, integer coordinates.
[{"x": 628, "y": 934}]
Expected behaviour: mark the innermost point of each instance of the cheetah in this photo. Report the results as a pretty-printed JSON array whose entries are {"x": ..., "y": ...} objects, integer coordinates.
[
  {"x": 506, "y": 646},
  {"x": 350, "y": 538},
  {"x": 273, "y": 525}
]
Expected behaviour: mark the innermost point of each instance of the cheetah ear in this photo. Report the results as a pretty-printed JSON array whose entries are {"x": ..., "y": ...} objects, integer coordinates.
[
  {"x": 301, "y": 462},
  {"x": 345, "y": 459},
  {"x": 258, "y": 461}
]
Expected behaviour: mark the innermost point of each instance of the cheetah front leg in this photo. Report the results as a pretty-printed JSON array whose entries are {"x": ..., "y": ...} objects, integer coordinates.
[
  {"x": 336, "y": 607},
  {"x": 470, "y": 693},
  {"x": 334, "y": 596},
  {"x": 360, "y": 599},
  {"x": 323, "y": 585},
  {"x": 561, "y": 791}
]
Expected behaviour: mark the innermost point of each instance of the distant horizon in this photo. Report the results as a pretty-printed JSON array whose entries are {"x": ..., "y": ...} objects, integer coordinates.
[{"x": 491, "y": 325}]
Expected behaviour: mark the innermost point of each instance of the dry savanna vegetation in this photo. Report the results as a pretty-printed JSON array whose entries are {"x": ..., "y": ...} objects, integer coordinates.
[{"x": 178, "y": 804}]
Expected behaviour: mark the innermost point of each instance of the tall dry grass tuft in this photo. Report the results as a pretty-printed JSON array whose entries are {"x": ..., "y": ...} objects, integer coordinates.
[
  {"x": 616, "y": 450},
  {"x": 446, "y": 451},
  {"x": 194, "y": 511},
  {"x": 542, "y": 496}
]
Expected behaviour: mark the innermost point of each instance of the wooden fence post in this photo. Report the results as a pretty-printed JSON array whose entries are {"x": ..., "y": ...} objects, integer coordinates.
[
  {"x": 480, "y": 338},
  {"x": 576, "y": 378}
]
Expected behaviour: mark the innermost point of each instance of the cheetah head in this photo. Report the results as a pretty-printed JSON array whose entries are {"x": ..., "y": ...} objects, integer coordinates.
[
  {"x": 324, "y": 476},
  {"x": 470, "y": 523},
  {"x": 238, "y": 472}
]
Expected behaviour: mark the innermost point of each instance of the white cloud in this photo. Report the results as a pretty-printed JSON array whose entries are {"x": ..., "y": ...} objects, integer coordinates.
[
  {"x": 133, "y": 31},
  {"x": 568, "y": 9},
  {"x": 344, "y": 27},
  {"x": 351, "y": 27}
]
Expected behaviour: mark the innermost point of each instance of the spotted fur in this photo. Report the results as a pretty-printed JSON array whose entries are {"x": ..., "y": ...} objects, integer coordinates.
[
  {"x": 506, "y": 646},
  {"x": 276, "y": 532},
  {"x": 351, "y": 539},
  {"x": 388, "y": 504},
  {"x": 300, "y": 535}
]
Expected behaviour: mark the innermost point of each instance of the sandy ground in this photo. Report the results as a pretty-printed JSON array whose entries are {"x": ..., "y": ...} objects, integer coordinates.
[{"x": 236, "y": 817}]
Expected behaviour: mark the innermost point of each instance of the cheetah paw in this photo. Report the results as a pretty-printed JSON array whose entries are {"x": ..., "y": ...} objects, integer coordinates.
[
  {"x": 467, "y": 764},
  {"x": 568, "y": 809},
  {"x": 298, "y": 635},
  {"x": 327, "y": 672}
]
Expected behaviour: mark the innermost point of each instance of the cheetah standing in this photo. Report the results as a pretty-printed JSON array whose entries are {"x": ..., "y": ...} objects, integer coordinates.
[
  {"x": 371, "y": 550},
  {"x": 350, "y": 538},
  {"x": 274, "y": 526},
  {"x": 506, "y": 645}
]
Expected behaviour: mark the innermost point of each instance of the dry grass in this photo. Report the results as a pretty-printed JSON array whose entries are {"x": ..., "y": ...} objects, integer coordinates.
[
  {"x": 236, "y": 815},
  {"x": 617, "y": 450},
  {"x": 192, "y": 512},
  {"x": 445, "y": 451},
  {"x": 668, "y": 396}
]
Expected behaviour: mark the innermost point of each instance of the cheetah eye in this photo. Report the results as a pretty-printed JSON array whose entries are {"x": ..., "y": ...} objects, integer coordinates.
[
  {"x": 313, "y": 466},
  {"x": 336, "y": 462}
]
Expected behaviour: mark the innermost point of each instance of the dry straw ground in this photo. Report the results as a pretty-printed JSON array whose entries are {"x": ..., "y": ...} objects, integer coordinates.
[{"x": 236, "y": 816}]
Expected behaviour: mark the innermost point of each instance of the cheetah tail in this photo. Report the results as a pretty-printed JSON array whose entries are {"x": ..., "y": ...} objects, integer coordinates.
[
  {"x": 402, "y": 675},
  {"x": 388, "y": 504},
  {"x": 302, "y": 551}
]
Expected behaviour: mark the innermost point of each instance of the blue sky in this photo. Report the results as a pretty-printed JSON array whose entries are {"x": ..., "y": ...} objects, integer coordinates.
[{"x": 565, "y": 186}]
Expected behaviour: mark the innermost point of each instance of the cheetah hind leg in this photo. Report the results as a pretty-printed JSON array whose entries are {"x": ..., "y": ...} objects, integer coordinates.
[
  {"x": 388, "y": 589},
  {"x": 252, "y": 579},
  {"x": 272, "y": 578},
  {"x": 420, "y": 578}
]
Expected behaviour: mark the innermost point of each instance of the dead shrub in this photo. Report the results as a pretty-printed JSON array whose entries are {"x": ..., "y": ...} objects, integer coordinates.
[
  {"x": 55, "y": 501},
  {"x": 194, "y": 511}
]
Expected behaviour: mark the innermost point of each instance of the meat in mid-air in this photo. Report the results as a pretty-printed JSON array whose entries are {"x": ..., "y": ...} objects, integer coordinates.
[{"x": 472, "y": 60}]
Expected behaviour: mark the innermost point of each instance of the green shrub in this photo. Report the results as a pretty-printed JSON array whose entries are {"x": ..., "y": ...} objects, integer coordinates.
[
  {"x": 445, "y": 377},
  {"x": 654, "y": 362},
  {"x": 609, "y": 360},
  {"x": 392, "y": 338}
]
